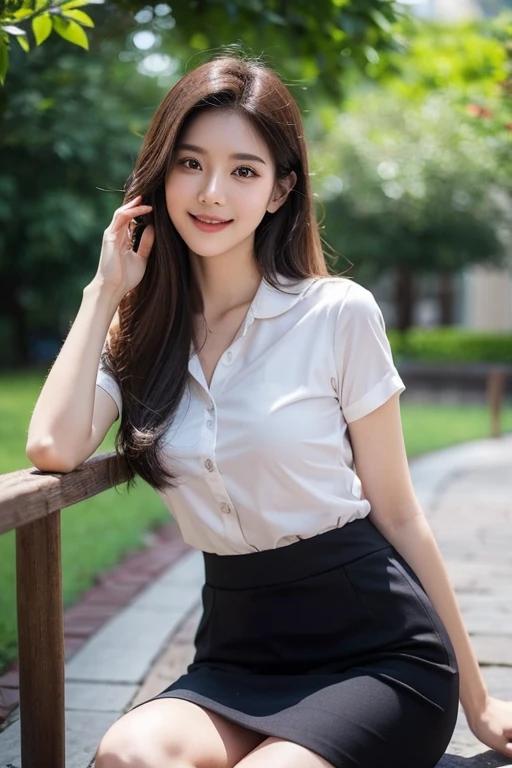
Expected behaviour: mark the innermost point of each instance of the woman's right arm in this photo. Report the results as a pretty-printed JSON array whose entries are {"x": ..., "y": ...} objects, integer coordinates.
[
  {"x": 64, "y": 427},
  {"x": 71, "y": 416}
]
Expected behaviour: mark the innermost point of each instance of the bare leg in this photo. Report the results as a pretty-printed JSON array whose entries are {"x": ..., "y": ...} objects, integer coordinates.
[
  {"x": 282, "y": 754},
  {"x": 173, "y": 733}
]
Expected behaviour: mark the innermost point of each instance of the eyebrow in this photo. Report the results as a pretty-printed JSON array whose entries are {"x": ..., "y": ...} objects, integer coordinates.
[{"x": 235, "y": 156}]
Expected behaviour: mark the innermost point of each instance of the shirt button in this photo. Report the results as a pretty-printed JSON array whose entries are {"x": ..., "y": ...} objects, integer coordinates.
[
  {"x": 209, "y": 465},
  {"x": 211, "y": 409},
  {"x": 225, "y": 508},
  {"x": 209, "y": 424},
  {"x": 229, "y": 356}
]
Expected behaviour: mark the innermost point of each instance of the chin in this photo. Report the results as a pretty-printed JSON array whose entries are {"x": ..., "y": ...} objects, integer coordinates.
[
  {"x": 207, "y": 255},
  {"x": 211, "y": 250}
]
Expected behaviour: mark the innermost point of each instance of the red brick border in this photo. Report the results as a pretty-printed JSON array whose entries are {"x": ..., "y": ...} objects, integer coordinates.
[{"x": 112, "y": 591}]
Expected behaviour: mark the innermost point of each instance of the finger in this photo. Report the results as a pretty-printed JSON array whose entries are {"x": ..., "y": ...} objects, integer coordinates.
[
  {"x": 122, "y": 216},
  {"x": 146, "y": 241},
  {"x": 129, "y": 205},
  {"x": 132, "y": 212},
  {"x": 133, "y": 201}
]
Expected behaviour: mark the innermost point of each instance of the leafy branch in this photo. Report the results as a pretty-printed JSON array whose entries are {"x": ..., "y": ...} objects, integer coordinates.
[{"x": 19, "y": 18}]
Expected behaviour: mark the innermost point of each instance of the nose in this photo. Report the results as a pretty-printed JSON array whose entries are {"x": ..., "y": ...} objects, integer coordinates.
[{"x": 211, "y": 192}]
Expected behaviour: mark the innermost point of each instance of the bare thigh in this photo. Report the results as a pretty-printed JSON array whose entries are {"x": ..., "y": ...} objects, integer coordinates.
[
  {"x": 282, "y": 754},
  {"x": 173, "y": 732}
]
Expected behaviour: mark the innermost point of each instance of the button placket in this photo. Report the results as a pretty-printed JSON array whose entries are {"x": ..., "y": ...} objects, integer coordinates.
[
  {"x": 209, "y": 421},
  {"x": 221, "y": 373},
  {"x": 225, "y": 508},
  {"x": 223, "y": 504},
  {"x": 233, "y": 525},
  {"x": 215, "y": 479}
]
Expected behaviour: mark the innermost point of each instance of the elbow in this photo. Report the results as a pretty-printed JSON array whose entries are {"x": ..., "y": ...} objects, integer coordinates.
[{"x": 45, "y": 457}]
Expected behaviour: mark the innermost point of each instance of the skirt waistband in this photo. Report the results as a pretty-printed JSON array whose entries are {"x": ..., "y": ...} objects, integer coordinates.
[{"x": 304, "y": 558}]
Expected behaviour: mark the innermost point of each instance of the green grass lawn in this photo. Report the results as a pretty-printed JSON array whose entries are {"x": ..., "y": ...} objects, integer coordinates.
[
  {"x": 96, "y": 533},
  {"x": 429, "y": 427}
]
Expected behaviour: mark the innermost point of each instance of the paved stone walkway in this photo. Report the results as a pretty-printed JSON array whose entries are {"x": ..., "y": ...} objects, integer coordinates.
[
  {"x": 466, "y": 492},
  {"x": 113, "y": 590}
]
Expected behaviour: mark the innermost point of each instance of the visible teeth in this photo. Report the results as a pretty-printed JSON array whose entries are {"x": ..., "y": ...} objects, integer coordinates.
[{"x": 208, "y": 221}]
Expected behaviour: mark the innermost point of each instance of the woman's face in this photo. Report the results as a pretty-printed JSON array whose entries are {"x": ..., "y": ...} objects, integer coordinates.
[{"x": 222, "y": 171}]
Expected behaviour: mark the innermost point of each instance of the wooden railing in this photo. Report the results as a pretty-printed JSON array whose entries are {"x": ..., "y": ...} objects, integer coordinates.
[{"x": 30, "y": 503}]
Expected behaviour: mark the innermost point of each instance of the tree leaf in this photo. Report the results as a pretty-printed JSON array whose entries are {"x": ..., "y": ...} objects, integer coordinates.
[
  {"x": 22, "y": 40},
  {"x": 380, "y": 20},
  {"x": 22, "y": 13},
  {"x": 79, "y": 16},
  {"x": 4, "y": 59},
  {"x": 71, "y": 31},
  {"x": 41, "y": 27}
]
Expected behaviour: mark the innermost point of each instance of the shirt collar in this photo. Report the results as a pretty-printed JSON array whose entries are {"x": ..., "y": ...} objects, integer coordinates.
[{"x": 271, "y": 302}]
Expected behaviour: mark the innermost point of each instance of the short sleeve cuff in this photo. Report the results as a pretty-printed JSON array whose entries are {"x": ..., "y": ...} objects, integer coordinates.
[
  {"x": 372, "y": 400},
  {"x": 108, "y": 385}
]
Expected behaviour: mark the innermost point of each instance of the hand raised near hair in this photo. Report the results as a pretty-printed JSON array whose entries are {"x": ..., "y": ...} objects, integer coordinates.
[{"x": 121, "y": 268}]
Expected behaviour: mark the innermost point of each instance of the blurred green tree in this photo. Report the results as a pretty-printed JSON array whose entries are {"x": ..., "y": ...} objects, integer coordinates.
[
  {"x": 413, "y": 191},
  {"x": 318, "y": 41},
  {"x": 416, "y": 173},
  {"x": 70, "y": 132},
  {"x": 22, "y": 20},
  {"x": 71, "y": 124}
]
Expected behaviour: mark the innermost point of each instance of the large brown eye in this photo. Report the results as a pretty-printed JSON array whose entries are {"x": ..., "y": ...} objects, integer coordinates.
[{"x": 247, "y": 173}]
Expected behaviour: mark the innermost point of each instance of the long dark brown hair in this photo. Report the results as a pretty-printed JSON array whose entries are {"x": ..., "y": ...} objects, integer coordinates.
[{"x": 149, "y": 342}]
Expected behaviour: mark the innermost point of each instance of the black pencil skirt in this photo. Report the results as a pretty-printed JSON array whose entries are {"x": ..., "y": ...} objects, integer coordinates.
[{"x": 331, "y": 643}]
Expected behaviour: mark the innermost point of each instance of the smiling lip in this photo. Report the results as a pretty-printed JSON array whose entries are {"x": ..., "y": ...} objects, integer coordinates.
[{"x": 209, "y": 224}]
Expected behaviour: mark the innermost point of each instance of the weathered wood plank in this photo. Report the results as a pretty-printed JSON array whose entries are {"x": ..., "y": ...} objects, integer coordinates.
[
  {"x": 495, "y": 393},
  {"x": 41, "y": 642},
  {"x": 29, "y": 494}
]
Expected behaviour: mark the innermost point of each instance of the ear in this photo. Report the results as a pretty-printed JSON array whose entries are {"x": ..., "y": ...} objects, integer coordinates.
[{"x": 282, "y": 189}]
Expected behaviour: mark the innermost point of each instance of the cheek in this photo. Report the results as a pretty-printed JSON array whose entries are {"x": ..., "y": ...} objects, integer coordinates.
[
  {"x": 169, "y": 194},
  {"x": 175, "y": 188},
  {"x": 253, "y": 202}
]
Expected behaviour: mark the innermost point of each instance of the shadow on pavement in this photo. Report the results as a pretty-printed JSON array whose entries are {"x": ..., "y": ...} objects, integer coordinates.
[{"x": 488, "y": 759}]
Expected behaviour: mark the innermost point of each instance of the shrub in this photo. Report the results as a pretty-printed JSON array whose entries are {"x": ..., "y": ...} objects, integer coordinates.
[{"x": 440, "y": 345}]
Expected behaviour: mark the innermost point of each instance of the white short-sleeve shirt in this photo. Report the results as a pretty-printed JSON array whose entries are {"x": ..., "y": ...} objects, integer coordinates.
[{"x": 263, "y": 455}]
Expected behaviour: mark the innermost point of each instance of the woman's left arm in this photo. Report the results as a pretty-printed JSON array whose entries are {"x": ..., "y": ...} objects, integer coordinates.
[{"x": 381, "y": 464}]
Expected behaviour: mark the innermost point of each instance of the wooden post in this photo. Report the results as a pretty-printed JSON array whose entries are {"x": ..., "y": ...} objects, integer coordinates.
[
  {"x": 41, "y": 642},
  {"x": 495, "y": 388}
]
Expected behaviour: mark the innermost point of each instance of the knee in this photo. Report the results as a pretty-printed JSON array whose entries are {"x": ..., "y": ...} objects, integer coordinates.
[
  {"x": 124, "y": 747},
  {"x": 114, "y": 752}
]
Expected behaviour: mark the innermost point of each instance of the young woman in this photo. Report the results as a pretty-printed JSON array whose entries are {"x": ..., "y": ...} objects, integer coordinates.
[{"x": 257, "y": 394}]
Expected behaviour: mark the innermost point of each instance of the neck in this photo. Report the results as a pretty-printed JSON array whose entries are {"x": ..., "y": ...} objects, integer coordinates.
[{"x": 225, "y": 283}]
